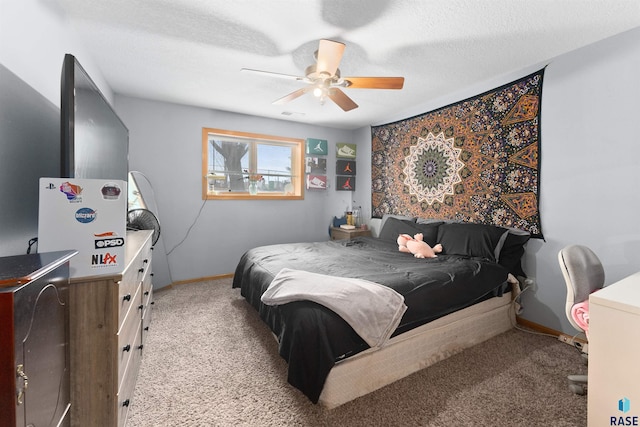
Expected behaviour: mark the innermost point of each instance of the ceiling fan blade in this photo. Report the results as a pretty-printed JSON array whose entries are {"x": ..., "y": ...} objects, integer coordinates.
[
  {"x": 341, "y": 98},
  {"x": 374, "y": 82},
  {"x": 293, "y": 95},
  {"x": 271, "y": 74},
  {"x": 329, "y": 56}
]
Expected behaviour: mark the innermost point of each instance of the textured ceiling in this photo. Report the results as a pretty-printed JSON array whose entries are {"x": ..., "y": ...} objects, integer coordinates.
[{"x": 191, "y": 51}]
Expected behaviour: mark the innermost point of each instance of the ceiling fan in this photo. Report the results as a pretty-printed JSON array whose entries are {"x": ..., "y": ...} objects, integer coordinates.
[{"x": 324, "y": 81}]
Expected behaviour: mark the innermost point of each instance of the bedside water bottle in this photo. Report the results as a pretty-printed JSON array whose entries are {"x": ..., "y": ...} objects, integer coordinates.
[{"x": 349, "y": 216}]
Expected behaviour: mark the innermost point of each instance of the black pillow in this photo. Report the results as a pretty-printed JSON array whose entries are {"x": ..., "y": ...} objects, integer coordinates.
[
  {"x": 513, "y": 250},
  {"x": 393, "y": 227},
  {"x": 385, "y": 217},
  {"x": 474, "y": 240},
  {"x": 429, "y": 231}
]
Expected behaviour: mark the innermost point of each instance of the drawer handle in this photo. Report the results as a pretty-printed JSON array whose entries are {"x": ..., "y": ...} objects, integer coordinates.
[
  {"x": 127, "y": 297},
  {"x": 141, "y": 306},
  {"x": 146, "y": 328},
  {"x": 126, "y": 348},
  {"x": 141, "y": 270},
  {"x": 146, "y": 293},
  {"x": 145, "y": 261},
  {"x": 25, "y": 383},
  {"x": 125, "y": 403},
  {"x": 140, "y": 346}
]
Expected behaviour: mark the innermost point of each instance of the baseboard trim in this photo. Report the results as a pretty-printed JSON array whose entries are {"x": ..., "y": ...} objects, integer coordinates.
[
  {"x": 199, "y": 279},
  {"x": 203, "y": 279},
  {"x": 543, "y": 329},
  {"x": 536, "y": 326}
]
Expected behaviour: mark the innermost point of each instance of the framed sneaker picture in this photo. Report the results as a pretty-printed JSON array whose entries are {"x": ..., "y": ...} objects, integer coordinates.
[
  {"x": 318, "y": 147},
  {"x": 345, "y": 183},
  {"x": 316, "y": 165},
  {"x": 316, "y": 182},
  {"x": 345, "y": 167},
  {"x": 346, "y": 151}
]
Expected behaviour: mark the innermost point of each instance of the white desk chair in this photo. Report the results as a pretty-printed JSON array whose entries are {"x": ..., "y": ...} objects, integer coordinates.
[{"x": 583, "y": 274}]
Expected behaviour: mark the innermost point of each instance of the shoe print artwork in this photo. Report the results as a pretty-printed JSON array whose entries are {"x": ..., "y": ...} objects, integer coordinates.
[
  {"x": 316, "y": 182},
  {"x": 317, "y": 147},
  {"x": 346, "y": 183},
  {"x": 346, "y": 151},
  {"x": 345, "y": 167}
]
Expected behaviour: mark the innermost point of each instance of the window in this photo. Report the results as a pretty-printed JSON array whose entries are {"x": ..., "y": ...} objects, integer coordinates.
[{"x": 240, "y": 165}]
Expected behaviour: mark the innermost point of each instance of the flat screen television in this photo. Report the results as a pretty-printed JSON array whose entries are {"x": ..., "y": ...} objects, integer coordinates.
[{"x": 94, "y": 141}]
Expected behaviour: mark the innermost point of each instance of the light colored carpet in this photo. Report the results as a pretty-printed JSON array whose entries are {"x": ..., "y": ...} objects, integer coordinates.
[{"x": 210, "y": 361}]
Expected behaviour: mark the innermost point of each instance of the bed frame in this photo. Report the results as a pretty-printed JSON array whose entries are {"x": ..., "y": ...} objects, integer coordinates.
[
  {"x": 416, "y": 349},
  {"x": 419, "y": 348}
]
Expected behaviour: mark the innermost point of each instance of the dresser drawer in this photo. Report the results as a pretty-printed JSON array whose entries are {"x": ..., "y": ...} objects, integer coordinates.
[
  {"x": 127, "y": 289},
  {"x": 129, "y": 337},
  {"x": 146, "y": 285},
  {"x": 136, "y": 274},
  {"x": 127, "y": 385},
  {"x": 146, "y": 314},
  {"x": 147, "y": 295},
  {"x": 145, "y": 259}
]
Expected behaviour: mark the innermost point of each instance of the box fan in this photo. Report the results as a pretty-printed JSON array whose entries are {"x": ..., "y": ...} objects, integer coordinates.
[{"x": 140, "y": 216}]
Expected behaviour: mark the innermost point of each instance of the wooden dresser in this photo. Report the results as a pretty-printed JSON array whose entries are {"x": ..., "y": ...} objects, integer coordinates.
[{"x": 109, "y": 317}]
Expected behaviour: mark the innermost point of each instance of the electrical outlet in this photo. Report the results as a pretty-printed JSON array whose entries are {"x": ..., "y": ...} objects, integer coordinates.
[
  {"x": 567, "y": 339},
  {"x": 579, "y": 343}
]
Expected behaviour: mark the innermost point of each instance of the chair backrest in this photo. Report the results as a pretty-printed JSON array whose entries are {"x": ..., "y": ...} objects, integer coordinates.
[{"x": 583, "y": 273}]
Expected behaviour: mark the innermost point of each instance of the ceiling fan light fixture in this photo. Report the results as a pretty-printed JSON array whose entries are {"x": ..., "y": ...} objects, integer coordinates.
[
  {"x": 324, "y": 81},
  {"x": 321, "y": 89}
]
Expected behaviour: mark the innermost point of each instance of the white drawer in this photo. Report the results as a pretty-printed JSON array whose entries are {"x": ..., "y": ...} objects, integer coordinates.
[
  {"x": 147, "y": 314},
  {"x": 128, "y": 383},
  {"x": 128, "y": 287},
  {"x": 129, "y": 337},
  {"x": 136, "y": 273}
]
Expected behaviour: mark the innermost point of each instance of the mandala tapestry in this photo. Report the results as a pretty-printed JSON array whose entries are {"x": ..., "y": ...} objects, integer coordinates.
[{"x": 474, "y": 161}]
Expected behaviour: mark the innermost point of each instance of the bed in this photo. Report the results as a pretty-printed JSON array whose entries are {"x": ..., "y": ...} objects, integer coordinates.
[{"x": 456, "y": 300}]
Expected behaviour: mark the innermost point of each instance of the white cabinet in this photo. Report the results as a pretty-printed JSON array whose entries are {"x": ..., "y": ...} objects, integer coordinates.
[{"x": 614, "y": 354}]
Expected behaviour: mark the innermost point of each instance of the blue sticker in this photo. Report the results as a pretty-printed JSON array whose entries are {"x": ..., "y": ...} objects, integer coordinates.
[{"x": 85, "y": 215}]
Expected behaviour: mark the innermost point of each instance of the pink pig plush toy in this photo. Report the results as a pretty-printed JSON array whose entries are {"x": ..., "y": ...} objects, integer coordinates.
[
  {"x": 416, "y": 246},
  {"x": 402, "y": 242}
]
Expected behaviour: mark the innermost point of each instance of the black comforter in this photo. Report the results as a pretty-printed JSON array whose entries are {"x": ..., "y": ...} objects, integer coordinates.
[{"x": 312, "y": 338}]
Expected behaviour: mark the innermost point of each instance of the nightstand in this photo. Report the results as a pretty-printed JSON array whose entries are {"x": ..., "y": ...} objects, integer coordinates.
[{"x": 338, "y": 233}]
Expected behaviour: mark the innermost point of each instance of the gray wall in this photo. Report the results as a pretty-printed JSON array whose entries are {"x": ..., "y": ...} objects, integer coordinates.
[
  {"x": 590, "y": 168},
  {"x": 35, "y": 36},
  {"x": 207, "y": 238},
  {"x": 590, "y": 161},
  {"x": 29, "y": 149}
]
